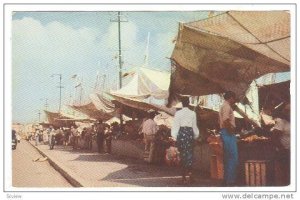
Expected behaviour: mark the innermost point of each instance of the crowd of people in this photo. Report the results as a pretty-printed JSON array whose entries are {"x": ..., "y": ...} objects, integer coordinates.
[
  {"x": 75, "y": 136},
  {"x": 180, "y": 140}
]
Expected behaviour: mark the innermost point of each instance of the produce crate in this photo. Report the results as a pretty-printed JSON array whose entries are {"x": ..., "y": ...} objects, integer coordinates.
[
  {"x": 258, "y": 172},
  {"x": 216, "y": 167}
]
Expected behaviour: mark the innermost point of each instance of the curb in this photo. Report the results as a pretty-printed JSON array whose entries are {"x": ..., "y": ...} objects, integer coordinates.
[{"x": 68, "y": 175}]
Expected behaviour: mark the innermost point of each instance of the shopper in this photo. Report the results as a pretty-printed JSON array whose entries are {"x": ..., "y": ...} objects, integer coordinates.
[
  {"x": 185, "y": 131},
  {"x": 149, "y": 130},
  {"x": 100, "y": 135}
]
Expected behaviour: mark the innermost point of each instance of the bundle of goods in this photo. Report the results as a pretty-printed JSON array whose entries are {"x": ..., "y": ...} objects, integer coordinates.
[
  {"x": 131, "y": 130},
  {"x": 216, "y": 144},
  {"x": 172, "y": 156}
]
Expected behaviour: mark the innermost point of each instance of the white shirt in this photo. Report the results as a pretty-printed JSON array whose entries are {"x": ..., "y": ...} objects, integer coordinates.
[
  {"x": 184, "y": 118},
  {"x": 149, "y": 127}
]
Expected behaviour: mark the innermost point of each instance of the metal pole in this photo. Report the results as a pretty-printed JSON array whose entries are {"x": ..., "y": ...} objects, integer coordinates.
[
  {"x": 60, "y": 87},
  {"x": 46, "y": 104},
  {"x": 120, "y": 51},
  {"x": 120, "y": 65},
  {"x": 60, "y": 77},
  {"x": 119, "y": 20}
]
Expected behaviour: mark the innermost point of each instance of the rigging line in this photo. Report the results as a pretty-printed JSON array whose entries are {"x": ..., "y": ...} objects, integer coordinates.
[
  {"x": 270, "y": 41},
  {"x": 256, "y": 37}
]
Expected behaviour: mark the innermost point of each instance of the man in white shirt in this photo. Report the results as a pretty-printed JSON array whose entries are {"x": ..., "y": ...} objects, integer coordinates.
[
  {"x": 149, "y": 130},
  {"x": 227, "y": 129}
]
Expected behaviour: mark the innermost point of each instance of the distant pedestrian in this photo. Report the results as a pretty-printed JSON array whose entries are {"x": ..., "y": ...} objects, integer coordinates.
[
  {"x": 100, "y": 135},
  {"x": 149, "y": 130},
  {"x": 75, "y": 137},
  {"x": 227, "y": 126},
  {"x": 67, "y": 134},
  {"x": 52, "y": 138},
  {"x": 88, "y": 137},
  {"x": 37, "y": 137},
  {"x": 108, "y": 138},
  {"x": 84, "y": 137},
  {"x": 185, "y": 131}
]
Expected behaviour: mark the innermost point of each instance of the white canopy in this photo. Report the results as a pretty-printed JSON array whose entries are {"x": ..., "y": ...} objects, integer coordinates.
[{"x": 146, "y": 82}]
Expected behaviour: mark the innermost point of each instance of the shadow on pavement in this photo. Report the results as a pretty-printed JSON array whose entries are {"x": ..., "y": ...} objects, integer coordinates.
[{"x": 137, "y": 172}]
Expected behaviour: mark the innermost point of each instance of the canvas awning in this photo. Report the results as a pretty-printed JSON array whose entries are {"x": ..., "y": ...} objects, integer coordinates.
[
  {"x": 145, "y": 83},
  {"x": 229, "y": 51},
  {"x": 141, "y": 105},
  {"x": 100, "y": 107}
]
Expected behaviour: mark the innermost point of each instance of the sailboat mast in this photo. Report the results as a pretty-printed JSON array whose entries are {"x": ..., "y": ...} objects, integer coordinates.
[{"x": 146, "y": 59}]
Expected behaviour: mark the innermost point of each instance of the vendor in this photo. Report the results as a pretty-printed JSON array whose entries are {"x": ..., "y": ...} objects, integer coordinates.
[
  {"x": 149, "y": 130},
  {"x": 227, "y": 126},
  {"x": 281, "y": 138}
]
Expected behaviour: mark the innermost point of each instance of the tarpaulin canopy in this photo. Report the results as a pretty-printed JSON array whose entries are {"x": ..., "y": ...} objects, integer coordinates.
[
  {"x": 146, "y": 82},
  {"x": 141, "y": 105},
  {"x": 99, "y": 107},
  {"x": 54, "y": 119},
  {"x": 228, "y": 51},
  {"x": 69, "y": 113}
]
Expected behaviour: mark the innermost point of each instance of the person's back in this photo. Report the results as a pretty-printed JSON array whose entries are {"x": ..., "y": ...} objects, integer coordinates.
[
  {"x": 100, "y": 129},
  {"x": 149, "y": 127}
]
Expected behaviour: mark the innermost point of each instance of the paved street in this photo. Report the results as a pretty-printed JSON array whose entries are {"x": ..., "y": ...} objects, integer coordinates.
[
  {"x": 29, "y": 173},
  {"x": 105, "y": 170}
]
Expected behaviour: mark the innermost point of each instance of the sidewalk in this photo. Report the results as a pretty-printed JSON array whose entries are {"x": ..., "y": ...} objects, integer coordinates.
[{"x": 90, "y": 169}]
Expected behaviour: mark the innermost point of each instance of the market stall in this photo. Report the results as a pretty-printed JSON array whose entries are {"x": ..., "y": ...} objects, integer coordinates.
[{"x": 227, "y": 52}]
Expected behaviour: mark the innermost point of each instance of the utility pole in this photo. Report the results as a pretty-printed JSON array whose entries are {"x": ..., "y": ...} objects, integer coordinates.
[
  {"x": 46, "y": 103},
  {"x": 120, "y": 59},
  {"x": 120, "y": 50},
  {"x": 119, "y": 20},
  {"x": 60, "y": 87}
]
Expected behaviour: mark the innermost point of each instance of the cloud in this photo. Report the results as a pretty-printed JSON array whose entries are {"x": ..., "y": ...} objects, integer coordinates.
[
  {"x": 52, "y": 44},
  {"x": 128, "y": 35},
  {"x": 39, "y": 50}
]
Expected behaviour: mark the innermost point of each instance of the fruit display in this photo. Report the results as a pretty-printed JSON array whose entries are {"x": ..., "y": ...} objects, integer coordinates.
[{"x": 254, "y": 138}]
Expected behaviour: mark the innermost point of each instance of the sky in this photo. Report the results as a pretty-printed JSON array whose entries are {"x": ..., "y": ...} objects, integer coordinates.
[{"x": 83, "y": 44}]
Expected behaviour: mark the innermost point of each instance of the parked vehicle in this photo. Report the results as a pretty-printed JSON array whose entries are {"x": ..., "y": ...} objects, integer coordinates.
[{"x": 14, "y": 141}]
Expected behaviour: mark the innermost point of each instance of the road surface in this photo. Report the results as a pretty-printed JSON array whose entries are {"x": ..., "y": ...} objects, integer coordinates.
[{"x": 26, "y": 172}]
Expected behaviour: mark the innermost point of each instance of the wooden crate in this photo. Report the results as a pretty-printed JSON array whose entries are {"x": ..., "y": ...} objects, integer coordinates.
[
  {"x": 216, "y": 167},
  {"x": 258, "y": 172}
]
